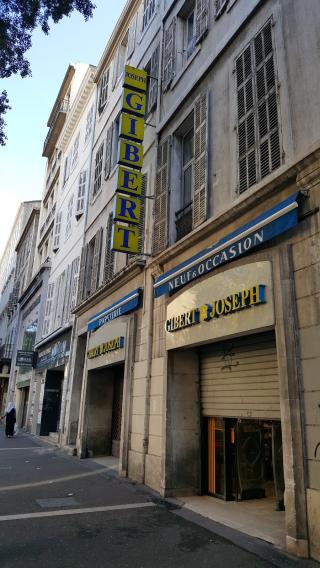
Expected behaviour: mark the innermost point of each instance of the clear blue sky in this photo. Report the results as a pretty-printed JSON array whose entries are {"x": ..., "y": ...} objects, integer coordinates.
[{"x": 31, "y": 99}]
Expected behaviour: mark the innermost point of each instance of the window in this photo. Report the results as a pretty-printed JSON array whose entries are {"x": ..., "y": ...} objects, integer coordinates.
[
  {"x": 89, "y": 124},
  {"x": 149, "y": 9},
  {"x": 57, "y": 232},
  {"x": 115, "y": 141},
  {"x": 132, "y": 36},
  {"x": 183, "y": 216},
  {"x": 98, "y": 170},
  {"x": 119, "y": 61},
  {"x": 74, "y": 281},
  {"x": 66, "y": 170},
  {"x": 169, "y": 55},
  {"x": 220, "y": 6},
  {"x": 189, "y": 32},
  {"x": 69, "y": 217},
  {"x": 75, "y": 151},
  {"x": 107, "y": 164},
  {"x": 47, "y": 313},
  {"x": 259, "y": 150},
  {"x": 152, "y": 68},
  {"x": 81, "y": 194},
  {"x": 103, "y": 91}
]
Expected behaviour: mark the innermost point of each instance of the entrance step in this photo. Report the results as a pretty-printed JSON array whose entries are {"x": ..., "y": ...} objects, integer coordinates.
[
  {"x": 54, "y": 437},
  {"x": 70, "y": 450}
]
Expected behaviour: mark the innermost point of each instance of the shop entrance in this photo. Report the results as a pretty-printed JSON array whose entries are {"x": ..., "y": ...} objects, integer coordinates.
[
  {"x": 104, "y": 411},
  {"x": 51, "y": 402},
  {"x": 244, "y": 459}
]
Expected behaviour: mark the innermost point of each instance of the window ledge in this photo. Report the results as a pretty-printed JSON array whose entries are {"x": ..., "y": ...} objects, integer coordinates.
[
  {"x": 185, "y": 67},
  {"x": 95, "y": 197}
]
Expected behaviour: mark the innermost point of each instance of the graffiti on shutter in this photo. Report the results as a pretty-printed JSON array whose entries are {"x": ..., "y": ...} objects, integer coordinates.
[
  {"x": 200, "y": 190},
  {"x": 96, "y": 261},
  {"x": 202, "y": 19},
  {"x": 107, "y": 165},
  {"x": 169, "y": 55},
  {"x": 109, "y": 253},
  {"x": 161, "y": 203}
]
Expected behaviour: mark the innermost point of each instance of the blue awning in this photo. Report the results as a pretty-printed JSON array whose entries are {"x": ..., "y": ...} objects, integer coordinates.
[
  {"x": 127, "y": 304},
  {"x": 261, "y": 229}
]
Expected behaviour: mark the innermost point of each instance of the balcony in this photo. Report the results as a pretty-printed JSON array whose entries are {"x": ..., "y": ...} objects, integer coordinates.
[
  {"x": 47, "y": 223},
  {"x": 184, "y": 221},
  {"x": 56, "y": 126},
  {"x": 6, "y": 352}
]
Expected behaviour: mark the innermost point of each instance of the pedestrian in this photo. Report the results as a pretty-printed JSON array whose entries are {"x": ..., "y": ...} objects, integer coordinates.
[{"x": 10, "y": 415}]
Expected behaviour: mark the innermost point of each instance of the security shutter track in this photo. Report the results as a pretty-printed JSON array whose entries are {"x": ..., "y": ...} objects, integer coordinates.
[{"x": 239, "y": 378}]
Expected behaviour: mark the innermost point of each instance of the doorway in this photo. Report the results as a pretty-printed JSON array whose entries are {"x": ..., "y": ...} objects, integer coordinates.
[
  {"x": 51, "y": 402},
  {"x": 25, "y": 401},
  {"x": 104, "y": 411},
  {"x": 244, "y": 459}
]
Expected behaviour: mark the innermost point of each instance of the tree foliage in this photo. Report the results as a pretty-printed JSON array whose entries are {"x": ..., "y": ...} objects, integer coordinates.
[{"x": 18, "y": 19}]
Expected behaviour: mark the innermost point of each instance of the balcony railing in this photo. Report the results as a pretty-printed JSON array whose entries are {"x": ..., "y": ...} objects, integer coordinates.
[
  {"x": 48, "y": 221},
  {"x": 6, "y": 351},
  {"x": 184, "y": 221},
  {"x": 55, "y": 127}
]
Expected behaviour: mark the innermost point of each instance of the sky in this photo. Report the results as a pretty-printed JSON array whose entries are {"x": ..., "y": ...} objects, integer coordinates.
[{"x": 21, "y": 164}]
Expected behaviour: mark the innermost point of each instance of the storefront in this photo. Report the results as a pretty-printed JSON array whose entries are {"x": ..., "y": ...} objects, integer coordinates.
[
  {"x": 52, "y": 371},
  {"x": 232, "y": 406},
  {"x": 105, "y": 398}
]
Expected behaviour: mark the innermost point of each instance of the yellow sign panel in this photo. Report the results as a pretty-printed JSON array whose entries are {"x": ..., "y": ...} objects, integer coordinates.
[
  {"x": 132, "y": 127},
  {"x": 134, "y": 103},
  {"x": 125, "y": 238},
  {"x": 129, "y": 181},
  {"x": 127, "y": 208},
  {"x": 130, "y": 154},
  {"x": 111, "y": 345},
  {"x": 135, "y": 78}
]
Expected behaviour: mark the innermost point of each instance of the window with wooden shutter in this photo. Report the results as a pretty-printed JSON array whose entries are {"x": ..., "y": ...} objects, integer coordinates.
[
  {"x": 169, "y": 55},
  {"x": 69, "y": 217},
  {"x": 132, "y": 36},
  {"x": 107, "y": 165},
  {"x": 89, "y": 124},
  {"x": 47, "y": 312},
  {"x": 75, "y": 151},
  {"x": 202, "y": 19},
  {"x": 153, "y": 72},
  {"x": 67, "y": 296},
  {"x": 82, "y": 273},
  {"x": 103, "y": 90},
  {"x": 109, "y": 253},
  {"x": 259, "y": 148},
  {"x": 96, "y": 261},
  {"x": 98, "y": 170},
  {"x": 81, "y": 194},
  {"x": 219, "y": 7},
  {"x": 200, "y": 184},
  {"x": 74, "y": 282},
  {"x": 161, "y": 201},
  {"x": 57, "y": 232},
  {"x": 149, "y": 8}
]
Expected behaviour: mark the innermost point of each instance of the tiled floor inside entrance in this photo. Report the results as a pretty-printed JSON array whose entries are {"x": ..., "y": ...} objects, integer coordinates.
[{"x": 257, "y": 517}]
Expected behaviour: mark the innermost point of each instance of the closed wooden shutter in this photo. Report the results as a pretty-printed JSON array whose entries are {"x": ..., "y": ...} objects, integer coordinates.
[
  {"x": 239, "y": 378},
  {"x": 169, "y": 55},
  {"x": 132, "y": 36},
  {"x": 200, "y": 190},
  {"x": 161, "y": 203},
  {"x": 107, "y": 166},
  {"x": 141, "y": 225},
  {"x": 96, "y": 261},
  {"x": 82, "y": 273},
  {"x": 109, "y": 253},
  {"x": 202, "y": 19},
  {"x": 257, "y": 101},
  {"x": 153, "y": 83},
  {"x": 219, "y": 6}
]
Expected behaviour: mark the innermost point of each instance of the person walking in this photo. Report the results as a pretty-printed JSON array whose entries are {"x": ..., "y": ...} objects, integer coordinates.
[{"x": 10, "y": 415}]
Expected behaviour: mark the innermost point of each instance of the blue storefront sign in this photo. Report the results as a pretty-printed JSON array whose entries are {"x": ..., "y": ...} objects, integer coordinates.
[
  {"x": 266, "y": 226},
  {"x": 124, "y": 306}
]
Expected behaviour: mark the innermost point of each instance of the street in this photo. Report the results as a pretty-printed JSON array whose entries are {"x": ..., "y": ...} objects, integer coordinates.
[{"x": 62, "y": 512}]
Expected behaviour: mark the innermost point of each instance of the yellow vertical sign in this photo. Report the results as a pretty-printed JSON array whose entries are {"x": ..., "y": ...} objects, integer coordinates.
[{"x": 127, "y": 209}]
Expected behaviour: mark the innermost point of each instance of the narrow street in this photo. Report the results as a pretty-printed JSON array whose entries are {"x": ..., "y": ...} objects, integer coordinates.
[{"x": 56, "y": 510}]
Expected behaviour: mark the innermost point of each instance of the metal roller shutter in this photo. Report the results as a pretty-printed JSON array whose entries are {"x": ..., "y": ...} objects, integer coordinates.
[{"x": 239, "y": 378}]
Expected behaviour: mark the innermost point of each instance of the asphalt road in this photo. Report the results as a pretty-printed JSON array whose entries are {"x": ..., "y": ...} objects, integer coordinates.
[{"x": 58, "y": 511}]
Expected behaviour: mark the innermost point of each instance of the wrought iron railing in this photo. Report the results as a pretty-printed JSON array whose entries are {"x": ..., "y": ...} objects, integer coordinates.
[{"x": 184, "y": 221}]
